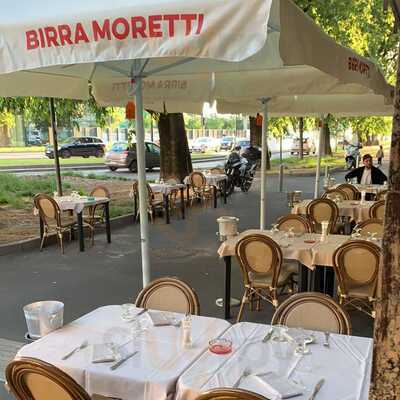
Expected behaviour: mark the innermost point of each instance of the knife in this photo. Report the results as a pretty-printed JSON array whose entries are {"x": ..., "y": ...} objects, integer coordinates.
[
  {"x": 122, "y": 360},
  {"x": 316, "y": 389},
  {"x": 138, "y": 314},
  {"x": 268, "y": 335}
]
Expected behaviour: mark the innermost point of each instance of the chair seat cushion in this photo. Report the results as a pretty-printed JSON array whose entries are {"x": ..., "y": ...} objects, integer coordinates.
[
  {"x": 361, "y": 292},
  {"x": 265, "y": 280}
]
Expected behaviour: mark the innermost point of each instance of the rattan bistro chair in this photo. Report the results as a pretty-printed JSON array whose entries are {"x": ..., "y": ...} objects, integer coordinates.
[
  {"x": 372, "y": 225},
  {"x": 154, "y": 203},
  {"x": 230, "y": 394},
  {"x": 335, "y": 193},
  {"x": 382, "y": 195},
  {"x": 351, "y": 191},
  {"x": 53, "y": 219},
  {"x": 201, "y": 191},
  {"x": 323, "y": 210},
  {"x": 377, "y": 210},
  {"x": 32, "y": 379},
  {"x": 356, "y": 265},
  {"x": 95, "y": 215},
  {"x": 314, "y": 311},
  {"x": 260, "y": 260},
  {"x": 295, "y": 222},
  {"x": 169, "y": 294}
]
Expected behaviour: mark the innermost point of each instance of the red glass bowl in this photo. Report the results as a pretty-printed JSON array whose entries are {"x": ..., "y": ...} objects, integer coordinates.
[{"x": 220, "y": 346}]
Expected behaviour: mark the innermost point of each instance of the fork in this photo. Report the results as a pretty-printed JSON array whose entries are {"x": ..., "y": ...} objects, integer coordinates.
[{"x": 84, "y": 344}]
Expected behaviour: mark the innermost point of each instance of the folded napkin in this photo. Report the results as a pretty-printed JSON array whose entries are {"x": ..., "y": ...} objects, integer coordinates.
[
  {"x": 103, "y": 353},
  {"x": 271, "y": 385},
  {"x": 160, "y": 318}
]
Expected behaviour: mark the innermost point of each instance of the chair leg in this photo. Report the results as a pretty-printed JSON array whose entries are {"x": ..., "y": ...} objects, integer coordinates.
[
  {"x": 244, "y": 300},
  {"x": 43, "y": 239},
  {"x": 60, "y": 238}
]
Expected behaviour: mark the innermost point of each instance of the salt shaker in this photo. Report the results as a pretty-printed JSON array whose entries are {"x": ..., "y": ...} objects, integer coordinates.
[{"x": 187, "y": 332}]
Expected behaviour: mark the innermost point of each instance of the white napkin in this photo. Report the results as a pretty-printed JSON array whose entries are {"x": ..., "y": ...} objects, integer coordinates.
[
  {"x": 159, "y": 318},
  {"x": 102, "y": 353},
  {"x": 271, "y": 385}
]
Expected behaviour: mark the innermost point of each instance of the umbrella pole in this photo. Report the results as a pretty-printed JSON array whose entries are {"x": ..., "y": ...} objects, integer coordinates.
[
  {"x": 318, "y": 170},
  {"x": 264, "y": 155},
  {"x": 141, "y": 168},
  {"x": 55, "y": 146}
]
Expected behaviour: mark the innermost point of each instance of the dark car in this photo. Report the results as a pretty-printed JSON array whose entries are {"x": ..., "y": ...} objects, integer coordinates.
[
  {"x": 227, "y": 143},
  {"x": 78, "y": 146},
  {"x": 121, "y": 155}
]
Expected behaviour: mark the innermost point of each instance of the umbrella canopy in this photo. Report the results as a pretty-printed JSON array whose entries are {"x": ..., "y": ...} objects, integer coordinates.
[{"x": 58, "y": 49}]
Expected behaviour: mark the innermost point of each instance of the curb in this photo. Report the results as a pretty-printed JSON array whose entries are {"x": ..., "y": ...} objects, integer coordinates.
[
  {"x": 301, "y": 172},
  {"x": 77, "y": 167},
  {"x": 30, "y": 244}
]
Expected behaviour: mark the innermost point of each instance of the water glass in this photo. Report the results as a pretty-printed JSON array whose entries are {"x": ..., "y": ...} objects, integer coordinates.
[
  {"x": 282, "y": 348},
  {"x": 127, "y": 311},
  {"x": 302, "y": 338}
]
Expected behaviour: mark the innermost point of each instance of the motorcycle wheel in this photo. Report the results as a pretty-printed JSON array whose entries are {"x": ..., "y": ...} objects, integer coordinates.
[{"x": 246, "y": 185}]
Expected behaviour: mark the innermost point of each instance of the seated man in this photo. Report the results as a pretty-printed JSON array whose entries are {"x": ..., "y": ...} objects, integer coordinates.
[{"x": 368, "y": 174}]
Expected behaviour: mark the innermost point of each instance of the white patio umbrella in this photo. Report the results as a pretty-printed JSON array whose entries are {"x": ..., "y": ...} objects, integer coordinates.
[
  {"x": 187, "y": 53},
  {"x": 56, "y": 49},
  {"x": 299, "y": 71}
]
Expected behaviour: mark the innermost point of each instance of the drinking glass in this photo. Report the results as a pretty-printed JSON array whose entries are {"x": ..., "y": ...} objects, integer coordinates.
[
  {"x": 127, "y": 311},
  {"x": 282, "y": 347},
  {"x": 356, "y": 233},
  {"x": 302, "y": 338},
  {"x": 274, "y": 229},
  {"x": 139, "y": 328}
]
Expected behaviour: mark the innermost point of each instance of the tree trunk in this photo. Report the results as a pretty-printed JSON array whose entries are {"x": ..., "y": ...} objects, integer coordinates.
[
  {"x": 256, "y": 138},
  {"x": 326, "y": 141},
  {"x": 176, "y": 162},
  {"x": 386, "y": 365},
  {"x": 301, "y": 131},
  {"x": 255, "y": 132}
]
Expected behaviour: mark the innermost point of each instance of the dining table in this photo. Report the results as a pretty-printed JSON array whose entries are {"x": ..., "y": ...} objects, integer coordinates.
[
  {"x": 344, "y": 368},
  {"x": 307, "y": 249},
  {"x": 166, "y": 189},
  {"x": 155, "y": 356},
  {"x": 354, "y": 210},
  {"x": 214, "y": 181},
  {"x": 76, "y": 205}
]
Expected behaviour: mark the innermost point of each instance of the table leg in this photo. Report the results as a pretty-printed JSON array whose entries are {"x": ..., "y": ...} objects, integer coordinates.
[
  {"x": 303, "y": 278},
  {"x": 166, "y": 205},
  {"x": 227, "y": 297},
  {"x": 80, "y": 232},
  {"x": 135, "y": 205},
  {"x": 215, "y": 196},
  {"x": 225, "y": 189},
  {"x": 182, "y": 202},
  {"x": 188, "y": 195},
  {"x": 107, "y": 218}
]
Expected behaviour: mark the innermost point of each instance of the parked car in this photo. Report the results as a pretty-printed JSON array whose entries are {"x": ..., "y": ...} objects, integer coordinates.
[
  {"x": 227, "y": 143},
  {"x": 121, "y": 155},
  {"x": 78, "y": 146},
  {"x": 203, "y": 144},
  {"x": 308, "y": 147}
]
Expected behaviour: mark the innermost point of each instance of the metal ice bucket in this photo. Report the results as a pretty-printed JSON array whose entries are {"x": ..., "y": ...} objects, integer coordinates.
[
  {"x": 43, "y": 317},
  {"x": 227, "y": 227}
]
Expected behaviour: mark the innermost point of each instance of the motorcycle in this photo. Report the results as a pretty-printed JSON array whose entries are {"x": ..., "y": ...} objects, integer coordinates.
[
  {"x": 239, "y": 174},
  {"x": 352, "y": 153}
]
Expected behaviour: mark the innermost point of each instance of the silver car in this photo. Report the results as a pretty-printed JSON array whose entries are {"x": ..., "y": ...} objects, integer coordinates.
[{"x": 123, "y": 156}]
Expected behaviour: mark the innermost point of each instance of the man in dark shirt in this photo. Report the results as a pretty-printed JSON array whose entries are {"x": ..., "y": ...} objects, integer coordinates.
[{"x": 368, "y": 174}]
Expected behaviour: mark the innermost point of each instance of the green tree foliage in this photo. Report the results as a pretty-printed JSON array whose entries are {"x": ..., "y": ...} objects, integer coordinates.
[{"x": 365, "y": 27}]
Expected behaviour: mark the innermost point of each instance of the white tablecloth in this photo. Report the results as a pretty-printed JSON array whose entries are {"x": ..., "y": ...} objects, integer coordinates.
[
  {"x": 149, "y": 375},
  {"x": 165, "y": 188},
  {"x": 212, "y": 179},
  {"x": 296, "y": 248},
  {"x": 353, "y": 209},
  {"x": 345, "y": 366},
  {"x": 77, "y": 205}
]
